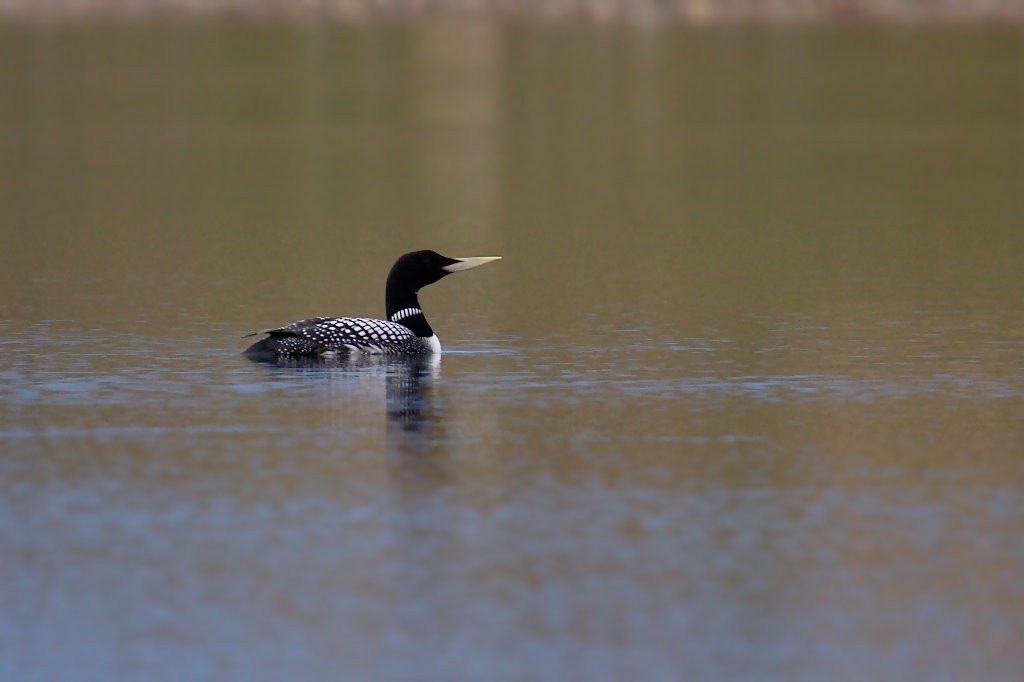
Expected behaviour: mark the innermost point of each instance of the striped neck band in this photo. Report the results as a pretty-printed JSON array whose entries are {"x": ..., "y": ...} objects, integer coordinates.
[{"x": 404, "y": 313}]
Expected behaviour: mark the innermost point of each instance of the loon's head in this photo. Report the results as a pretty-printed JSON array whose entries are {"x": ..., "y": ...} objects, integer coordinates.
[{"x": 420, "y": 268}]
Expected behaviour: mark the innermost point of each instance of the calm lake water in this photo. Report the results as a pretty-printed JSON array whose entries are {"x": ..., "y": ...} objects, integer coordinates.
[{"x": 743, "y": 401}]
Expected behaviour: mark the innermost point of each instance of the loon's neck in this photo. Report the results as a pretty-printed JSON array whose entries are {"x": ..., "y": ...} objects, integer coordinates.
[{"x": 403, "y": 307}]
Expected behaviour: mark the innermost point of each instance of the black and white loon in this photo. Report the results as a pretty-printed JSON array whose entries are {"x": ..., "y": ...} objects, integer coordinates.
[{"x": 405, "y": 332}]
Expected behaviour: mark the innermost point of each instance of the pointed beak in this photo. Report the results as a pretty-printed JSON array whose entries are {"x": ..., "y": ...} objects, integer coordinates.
[{"x": 467, "y": 263}]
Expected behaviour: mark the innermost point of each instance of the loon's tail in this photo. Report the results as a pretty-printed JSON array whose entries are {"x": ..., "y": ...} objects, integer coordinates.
[
  {"x": 264, "y": 349},
  {"x": 281, "y": 342}
]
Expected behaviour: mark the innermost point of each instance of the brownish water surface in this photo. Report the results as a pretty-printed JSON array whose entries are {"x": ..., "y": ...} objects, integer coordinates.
[{"x": 744, "y": 399}]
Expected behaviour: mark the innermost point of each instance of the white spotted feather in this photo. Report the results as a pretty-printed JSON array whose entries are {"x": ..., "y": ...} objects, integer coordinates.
[{"x": 359, "y": 334}]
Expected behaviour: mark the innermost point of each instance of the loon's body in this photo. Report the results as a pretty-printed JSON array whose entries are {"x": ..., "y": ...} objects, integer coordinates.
[
  {"x": 405, "y": 332},
  {"x": 334, "y": 335}
]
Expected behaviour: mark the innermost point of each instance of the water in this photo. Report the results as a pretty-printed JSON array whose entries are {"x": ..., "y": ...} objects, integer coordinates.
[{"x": 743, "y": 400}]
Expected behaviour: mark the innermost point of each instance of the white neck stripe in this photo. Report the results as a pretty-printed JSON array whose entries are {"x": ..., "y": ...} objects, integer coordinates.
[{"x": 404, "y": 313}]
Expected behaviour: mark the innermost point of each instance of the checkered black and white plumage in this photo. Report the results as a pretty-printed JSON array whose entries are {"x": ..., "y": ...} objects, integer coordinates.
[{"x": 326, "y": 335}]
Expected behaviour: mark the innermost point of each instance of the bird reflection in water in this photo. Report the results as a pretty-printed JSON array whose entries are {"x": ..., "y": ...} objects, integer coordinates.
[
  {"x": 413, "y": 420},
  {"x": 415, "y": 433},
  {"x": 408, "y": 385}
]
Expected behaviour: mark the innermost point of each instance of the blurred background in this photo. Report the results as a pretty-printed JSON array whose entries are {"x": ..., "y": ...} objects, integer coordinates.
[{"x": 743, "y": 400}]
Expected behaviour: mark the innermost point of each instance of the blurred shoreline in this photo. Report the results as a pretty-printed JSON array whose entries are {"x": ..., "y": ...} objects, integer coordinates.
[{"x": 544, "y": 11}]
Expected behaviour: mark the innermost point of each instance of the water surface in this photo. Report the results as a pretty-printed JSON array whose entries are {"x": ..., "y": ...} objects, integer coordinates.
[{"x": 744, "y": 399}]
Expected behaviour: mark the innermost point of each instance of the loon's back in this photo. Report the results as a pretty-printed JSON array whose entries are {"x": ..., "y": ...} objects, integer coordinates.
[{"x": 341, "y": 335}]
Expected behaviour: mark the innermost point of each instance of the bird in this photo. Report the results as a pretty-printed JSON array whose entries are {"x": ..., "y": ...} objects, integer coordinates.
[{"x": 404, "y": 332}]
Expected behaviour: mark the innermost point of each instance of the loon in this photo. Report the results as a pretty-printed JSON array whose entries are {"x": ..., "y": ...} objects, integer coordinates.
[{"x": 405, "y": 332}]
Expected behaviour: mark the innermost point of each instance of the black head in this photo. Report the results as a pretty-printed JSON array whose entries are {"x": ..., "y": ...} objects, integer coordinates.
[
  {"x": 418, "y": 269},
  {"x": 415, "y": 270}
]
